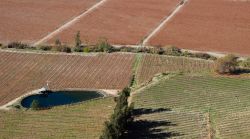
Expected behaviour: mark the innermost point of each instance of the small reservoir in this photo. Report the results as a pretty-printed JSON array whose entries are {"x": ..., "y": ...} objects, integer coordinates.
[{"x": 49, "y": 99}]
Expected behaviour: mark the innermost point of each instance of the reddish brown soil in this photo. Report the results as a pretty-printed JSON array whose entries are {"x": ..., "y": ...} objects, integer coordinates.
[
  {"x": 30, "y": 20},
  {"x": 21, "y": 73},
  {"x": 209, "y": 25},
  {"x": 120, "y": 21}
]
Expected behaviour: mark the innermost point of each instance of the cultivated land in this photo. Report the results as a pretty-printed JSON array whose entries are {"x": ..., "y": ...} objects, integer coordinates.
[
  {"x": 209, "y": 25},
  {"x": 187, "y": 106},
  {"x": 187, "y": 101},
  {"x": 29, "y": 20},
  {"x": 151, "y": 65},
  {"x": 120, "y": 21},
  {"x": 21, "y": 73},
  {"x": 83, "y": 121}
]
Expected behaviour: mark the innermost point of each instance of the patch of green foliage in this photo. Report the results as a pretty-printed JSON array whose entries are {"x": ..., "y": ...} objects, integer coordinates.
[
  {"x": 104, "y": 46},
  {"x": 45, "y": 47},
  {"x": 122, "y": 116},
  {"x": 227, "y": 65},
  {"x": 35, "y": 105},
  {"x": 190, "y": 98},
  {"x": 245, "y": 63}
]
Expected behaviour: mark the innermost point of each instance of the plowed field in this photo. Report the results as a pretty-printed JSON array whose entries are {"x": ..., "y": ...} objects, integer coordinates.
[
  {"x": 29, "y": 20},
  {"x": 22, "y": 72},
  {"x": 120, "y": 21},
  {"x": 209, "y": 25}
]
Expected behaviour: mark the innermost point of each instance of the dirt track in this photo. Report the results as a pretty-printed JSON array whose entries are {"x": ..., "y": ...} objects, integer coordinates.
[
  {"x": 69, "y": 23},
  {"x": 209, "y": 25}
]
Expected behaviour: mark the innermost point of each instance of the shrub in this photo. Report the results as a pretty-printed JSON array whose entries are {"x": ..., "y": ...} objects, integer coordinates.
[
  {"x": 127, "y": 49},
  {"x": 1, "y": 45},
  {"x": 187, "y": 54},
  {"x": 86, "y": 50},
  {"x": 45, "y": 47},
  {"x": 66, "y": 49},
  {"x": 35, "y": 105},
  {"x": 78, "y": 49},
  {"x": 245, "y": 63},
  {"x": 202, "y": 55},
  {"x": 17, "y": 106},
  {"x": 63, "y": 48},
  {"x": 172, "y": 50},
  {"x": 155, "y": 50},
  {"x": 17, "y": 45},
  {"x": 104, "y": 46},
  {"x": 142, "y": 50},
  {"x": 58, "y": 42},
  {"x": 227, "y": 65}
]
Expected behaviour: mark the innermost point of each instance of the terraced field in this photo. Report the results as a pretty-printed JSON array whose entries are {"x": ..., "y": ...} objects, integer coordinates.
[
  {"x": 196, "y": 107},
  {"x": 154, "y": 64},
  {"x": 21, "y": 73},
  {"x": 83, "y": 121}
]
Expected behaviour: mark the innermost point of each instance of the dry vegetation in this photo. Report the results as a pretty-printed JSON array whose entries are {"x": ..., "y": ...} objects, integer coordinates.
[
  {"x": 154, "y": 64},
  {"x": 85, "y": 121}
]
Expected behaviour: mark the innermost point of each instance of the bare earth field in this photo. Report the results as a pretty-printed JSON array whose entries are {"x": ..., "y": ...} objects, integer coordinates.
[
  {"x": 21, "y": 73},
  {"x": 120, "y": 21},
  {"x": 29, "y": 20},
  {"x": 209, "y": 25}
]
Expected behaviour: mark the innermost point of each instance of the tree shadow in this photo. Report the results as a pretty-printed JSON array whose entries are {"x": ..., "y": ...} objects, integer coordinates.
[
  {"x": 242, "y": 71},
  {"x": 149, "y": 129},
  {"x": 141, "y": 111}
]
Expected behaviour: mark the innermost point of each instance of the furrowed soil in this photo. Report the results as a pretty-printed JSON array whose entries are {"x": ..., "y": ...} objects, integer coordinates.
[
  {"x": 29, "y": 20},
  {"x": 120, "y": 21},
  {"x": 209, "y": 25},
  {"x": 21, "y": 73}
]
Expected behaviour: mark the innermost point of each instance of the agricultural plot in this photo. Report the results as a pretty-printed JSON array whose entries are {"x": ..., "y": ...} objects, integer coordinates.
[
  {"x": 29, "y": 20},
  {"x": 196, "y": 107},
  {"x": 120, "y": 21},
  {"x": 154, "y": 64},
  {"x": 84, "y": 121},
  {"x": 209, "y": 25},
  {"x": 24, "y": 72}
]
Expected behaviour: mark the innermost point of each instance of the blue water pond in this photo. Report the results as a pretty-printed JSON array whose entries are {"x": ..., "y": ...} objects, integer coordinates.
[{"x": 50, "y": 99}]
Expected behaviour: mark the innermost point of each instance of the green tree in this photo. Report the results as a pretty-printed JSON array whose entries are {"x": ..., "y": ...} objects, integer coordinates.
[
  {"x": 78, "y": 41},
  {"x": 245, "y": 63},
  {"x": 227, "y": 64},
  {"x": 104, "y": 46},
  {"x": 34, "y": 105},
  {"x": 120, "y": 119},
  {"x": 58, "y": 43}
]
